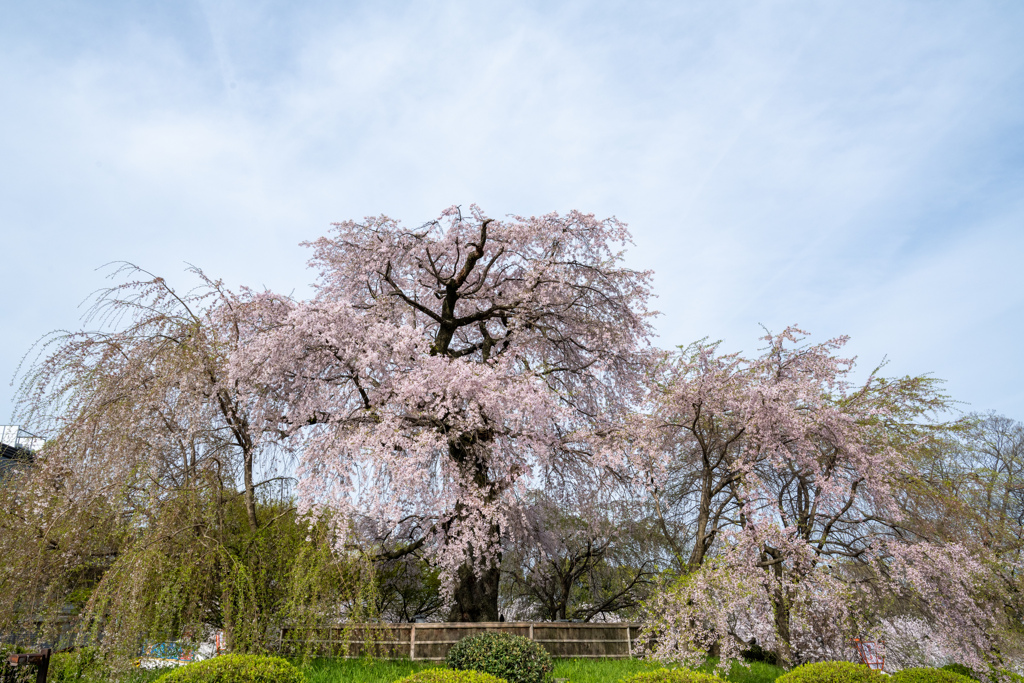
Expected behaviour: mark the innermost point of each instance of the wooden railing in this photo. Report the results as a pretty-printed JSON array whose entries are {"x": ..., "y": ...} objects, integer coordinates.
[{"x": 432, "y": 641}]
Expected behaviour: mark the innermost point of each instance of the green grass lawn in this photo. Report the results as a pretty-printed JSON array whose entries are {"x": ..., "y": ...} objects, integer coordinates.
[
  {"x": 576, "y": 670},
  {"x": 360, "y": 670}
]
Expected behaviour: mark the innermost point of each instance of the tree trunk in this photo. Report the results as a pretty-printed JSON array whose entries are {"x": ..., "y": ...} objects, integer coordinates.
[
  {"x": 783, "y": 652},
  {"x": 700, "y": 542},
  {"x": 476, "y": 596},
  {"x": 250, "y": 497}
]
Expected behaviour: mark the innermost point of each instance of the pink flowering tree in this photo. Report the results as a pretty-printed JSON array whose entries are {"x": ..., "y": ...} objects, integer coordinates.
[
  {"x": 441, "y": 372},
  {"x": 779, "y": 484}
]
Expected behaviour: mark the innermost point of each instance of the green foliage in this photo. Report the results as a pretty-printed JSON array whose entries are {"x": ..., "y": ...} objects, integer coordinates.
[
  {"x": 166, "y": 585},
  {"x": 53, "y": 554},
  {"x": 89, "y": 665},
  {"x": 15, "y": 674},
  {"x": 962, "y": 670},
  {"x": 831, "y": 672},
  {"x": 440, "y": 675},
  {"x": 929, "y": 675},
  {"x": 672, "y": 676},
  {"x": 235, "y": 668},
  {"x": 319, "y": 581},
  {"x": 195, "y": 564},
  {"x": 514, "y": 658},
  {"x": 83, "y": 665},
  {"x": 1003, "y": 675}
]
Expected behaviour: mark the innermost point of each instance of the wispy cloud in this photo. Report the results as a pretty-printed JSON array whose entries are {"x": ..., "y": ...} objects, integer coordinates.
[{"x": 852, "y": 168}]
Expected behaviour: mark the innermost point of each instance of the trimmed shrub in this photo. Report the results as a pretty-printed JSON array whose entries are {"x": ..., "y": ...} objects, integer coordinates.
[
  {"x": 671, "y": 676},
  {"x": 962, "y": 670},
  {"x": 514, "y": 658},
  {"x": 440, "y": 675},
  {"x": 236, "y": 669},
  {"x": 928, "y": 675},
  {"x": 830, "y": 672}
]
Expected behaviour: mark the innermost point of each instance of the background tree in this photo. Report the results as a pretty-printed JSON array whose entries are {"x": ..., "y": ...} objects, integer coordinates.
[
  {"x": 967, "y": 488},
  {"x": 408, "y": 589},
  {"x": 580, "y": 560},
  {"x": 441, "y": 372},
  {"x": 790, "y": 477}
]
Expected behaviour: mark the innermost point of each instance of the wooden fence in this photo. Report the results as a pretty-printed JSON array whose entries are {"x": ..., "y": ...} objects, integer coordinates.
[{"x": 432, "y": 641}]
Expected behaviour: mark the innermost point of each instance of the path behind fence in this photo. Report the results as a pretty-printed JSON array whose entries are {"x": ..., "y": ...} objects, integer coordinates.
[{"x": 432, "y": 641}]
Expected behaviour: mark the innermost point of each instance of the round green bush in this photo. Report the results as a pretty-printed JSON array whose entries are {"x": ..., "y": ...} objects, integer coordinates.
[
  {"x": 962, "y": 670},
  {"x": 440, "y": 675},
  {"x": 236, "y": 669},
  {"x": 830, "y": 672},
  {"x": 671, "y": 676},
  {"x": 514, "y": 658},
  {"x": 928, "y": 675}
]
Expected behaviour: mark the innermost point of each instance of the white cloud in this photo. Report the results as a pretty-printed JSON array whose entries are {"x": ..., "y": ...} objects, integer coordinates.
[{"x": 849, "y": 167}]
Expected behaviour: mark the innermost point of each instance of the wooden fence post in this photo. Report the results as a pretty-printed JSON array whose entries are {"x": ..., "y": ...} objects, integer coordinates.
[
  {"x": 412, "y": 642},
  {"x": 531, "y": 631},
  {"x": 629, "y": 642}
]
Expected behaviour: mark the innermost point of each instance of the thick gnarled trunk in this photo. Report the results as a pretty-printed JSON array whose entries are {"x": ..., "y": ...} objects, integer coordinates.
[
  {"x": 476, "y": 595},
  {"x": 476, "y": 590}
]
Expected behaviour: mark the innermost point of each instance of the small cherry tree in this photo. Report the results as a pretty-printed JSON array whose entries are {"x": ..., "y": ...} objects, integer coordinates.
[
  {"x": 440, "y": 372},
  {"x": 790, "y": 478}
]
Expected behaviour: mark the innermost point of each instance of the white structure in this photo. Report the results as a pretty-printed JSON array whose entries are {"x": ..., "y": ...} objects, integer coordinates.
[
  {"x": 16, "y": 437},
  {"x": 16, "y": 445}
]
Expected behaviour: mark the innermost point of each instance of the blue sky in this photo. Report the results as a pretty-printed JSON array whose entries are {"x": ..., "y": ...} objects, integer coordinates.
[{"x": 855, "y": 168}]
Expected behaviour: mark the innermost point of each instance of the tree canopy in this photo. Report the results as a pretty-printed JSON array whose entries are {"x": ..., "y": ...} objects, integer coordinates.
[
  {"x": 441, "y": 372},
  {"x": 477, "y": 424}
]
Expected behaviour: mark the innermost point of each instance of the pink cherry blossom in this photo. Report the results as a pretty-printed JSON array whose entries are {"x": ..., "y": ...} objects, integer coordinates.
[{"x": 442, "y": 372}]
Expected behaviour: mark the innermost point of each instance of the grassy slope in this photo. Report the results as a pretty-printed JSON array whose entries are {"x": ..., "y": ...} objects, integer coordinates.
[{"x": 576, "y": 670}]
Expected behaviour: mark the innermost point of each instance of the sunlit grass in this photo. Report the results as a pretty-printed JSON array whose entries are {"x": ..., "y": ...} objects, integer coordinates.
[
  {"x": 576, "y": 670},
  {"x": 361, "y": 670},
  {"x": 600, "y": 670},
  {"x": 754, "y": 672}
]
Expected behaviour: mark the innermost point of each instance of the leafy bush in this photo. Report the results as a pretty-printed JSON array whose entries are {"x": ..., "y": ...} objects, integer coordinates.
[
  {"x": 928, "y": 675},
  {"x": 962, "y": 670},
  {"x": 84, "y": 665},
  {"x": 671, "y": 676},
  {"x": 236, "y": 669},
  {"x": 514, "y": 658},
  {"x": 440, "y": 675},
  {"x": 830, "y": 672}
]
